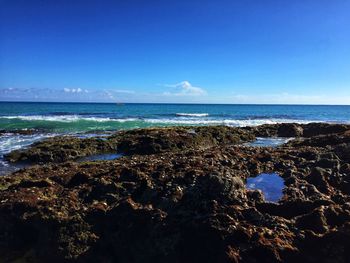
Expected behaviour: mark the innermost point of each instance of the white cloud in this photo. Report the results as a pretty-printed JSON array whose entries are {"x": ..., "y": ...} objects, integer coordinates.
[
  {"x": 181, "y": 92},
  {"x": 185, "y": 88},
  {"x": 116, "y": 95},
  {"x": 109, "y": 95},
  {"x": 77, "y": 90},
  {"x": 9, "y": 90},
  {"x": 67, "y": 94}
]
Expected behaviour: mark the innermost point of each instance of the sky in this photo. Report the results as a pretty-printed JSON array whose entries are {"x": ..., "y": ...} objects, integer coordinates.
[{"x": 222, "y": 51}]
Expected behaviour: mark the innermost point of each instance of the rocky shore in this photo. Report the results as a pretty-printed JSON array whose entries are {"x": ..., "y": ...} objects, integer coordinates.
[{"x": 179, "y": 195}]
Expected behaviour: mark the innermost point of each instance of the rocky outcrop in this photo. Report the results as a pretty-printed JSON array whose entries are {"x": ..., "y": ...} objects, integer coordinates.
[
  {"x": 298, "y": 130},
  {"x": 139, "y": 141},
  {"x": 61, "y": 149},
  {"x": 186, "y": 203}
]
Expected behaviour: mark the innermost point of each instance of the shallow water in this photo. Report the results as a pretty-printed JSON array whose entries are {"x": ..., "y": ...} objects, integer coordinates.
[
  {"x": 101, "y": 157},
  {"x": 7, "y": 168},
  {"x": 268, "y": 142},
  {"x": 101, "y": 136},
  {"x": 12, "y": 141},
  {"x": 271, "y": 184}
]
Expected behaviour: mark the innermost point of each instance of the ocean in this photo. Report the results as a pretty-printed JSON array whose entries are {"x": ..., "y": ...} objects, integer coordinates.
[
  {"x": 82, "y": 117},
  {"x": 86, "y": 119}
]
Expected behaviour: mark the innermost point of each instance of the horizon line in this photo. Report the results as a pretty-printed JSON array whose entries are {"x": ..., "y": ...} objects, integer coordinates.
[{"x": 175, "y": 103}]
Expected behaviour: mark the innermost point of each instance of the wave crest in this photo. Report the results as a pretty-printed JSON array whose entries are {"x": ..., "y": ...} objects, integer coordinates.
[
  {"x": 192, "y": 114},
  {"x": 227, "y": 122},
  {"x": 65, "y": 118},
  {"x": 143, "y": 122}
]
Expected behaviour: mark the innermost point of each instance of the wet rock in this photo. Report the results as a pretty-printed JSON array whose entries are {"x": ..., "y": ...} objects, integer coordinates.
[
  {"x": 78, "y": 179},
  {"x": 315, "y": 221},
  {"x": 343, "y": 151},
  {"x": 255, "y": 196},
  {"x": 315, "y": 129},
  {"x": 33, "y": 183},
  {"x": 332, "y": 246},
  {"x": 60, "y": 149},
  {"x": 336, "y": 216},
  {"x": 289, "y": 130},
  {"x": 327, "y": 163},
  {"x": 319, "y": 177},
  {"x": 223, "y": 187},
  {"x": 290, "y": 209},
  {"x": 143, "y": 141},
  {"x": 345, "y": 168},
  {"x": 155, "y": 140}
]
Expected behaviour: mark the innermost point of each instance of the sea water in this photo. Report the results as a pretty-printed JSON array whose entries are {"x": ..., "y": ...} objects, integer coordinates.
[
  {"x": 78, "y": 117},
  {"x": 271, "y": 185}
]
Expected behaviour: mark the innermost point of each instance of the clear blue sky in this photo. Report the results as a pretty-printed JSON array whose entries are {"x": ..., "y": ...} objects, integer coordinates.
[{"x": 176, "y": 51}]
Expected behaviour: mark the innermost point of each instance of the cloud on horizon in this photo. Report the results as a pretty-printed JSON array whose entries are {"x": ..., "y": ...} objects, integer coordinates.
[
  {"x": 78, "y": 90},
  {"x": 182, "y": 92},
  {"x": 64, "y": 95},
  {"x": 184, "y": 88}
]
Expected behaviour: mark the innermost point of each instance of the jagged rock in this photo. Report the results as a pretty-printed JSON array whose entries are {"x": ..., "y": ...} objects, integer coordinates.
[
  {"x": 315, "y": 221},
  {"x": 289, "y": 130},
  {"x": 319, "y": 177},
  {"x": 315, "y": 129},
  {"x": 142, "y": 141}
]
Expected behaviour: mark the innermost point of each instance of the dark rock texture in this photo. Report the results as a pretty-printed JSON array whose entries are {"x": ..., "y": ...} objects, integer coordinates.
[
  {"x": 60, "y": 149},
  {"x": 139, "y": 141},
  {"x": 298, "y": 130},
  {"x": 179, "y": 198}
]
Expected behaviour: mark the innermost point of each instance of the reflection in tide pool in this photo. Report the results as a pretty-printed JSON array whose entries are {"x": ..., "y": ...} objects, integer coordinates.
[
  {"x": 268, "y": 141},
  {"x": 270, "y": 184}
]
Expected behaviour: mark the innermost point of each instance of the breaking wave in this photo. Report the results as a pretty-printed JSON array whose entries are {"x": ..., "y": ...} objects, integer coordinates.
[
  {"x": 228, "y": 122},
  {"x": 65, "y": 118},
  {"x": 192, "y": 114},
  {"x": 195, "y": 119}
]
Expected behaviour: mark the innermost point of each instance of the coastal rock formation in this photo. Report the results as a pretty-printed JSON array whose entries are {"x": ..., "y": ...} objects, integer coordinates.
[
  {"x": 60, "y": 149},
  {"x": 139, "y": 141},
  {"x": 297, "y": 130},
  {"x": 178, "y": 198}
]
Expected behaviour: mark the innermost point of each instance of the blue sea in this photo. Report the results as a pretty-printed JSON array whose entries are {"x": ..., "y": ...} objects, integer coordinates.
[
  {"x": 82, "y": 117},
  {"x": 86, "y": 119}
]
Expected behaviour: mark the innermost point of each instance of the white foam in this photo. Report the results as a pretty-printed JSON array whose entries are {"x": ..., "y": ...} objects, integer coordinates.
[
  {"x": 10, "y": 142},
  {"x": 228, "y": 122},
  {"x": 66, "y": 118},
  {"x": 3, "y": 163},
  {"x": 192, "y": 114},
  {"x": 187, "y": 119}
]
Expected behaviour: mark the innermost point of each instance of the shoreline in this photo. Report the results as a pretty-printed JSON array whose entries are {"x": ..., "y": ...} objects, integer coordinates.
[{"x": 179, "y": 194}]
